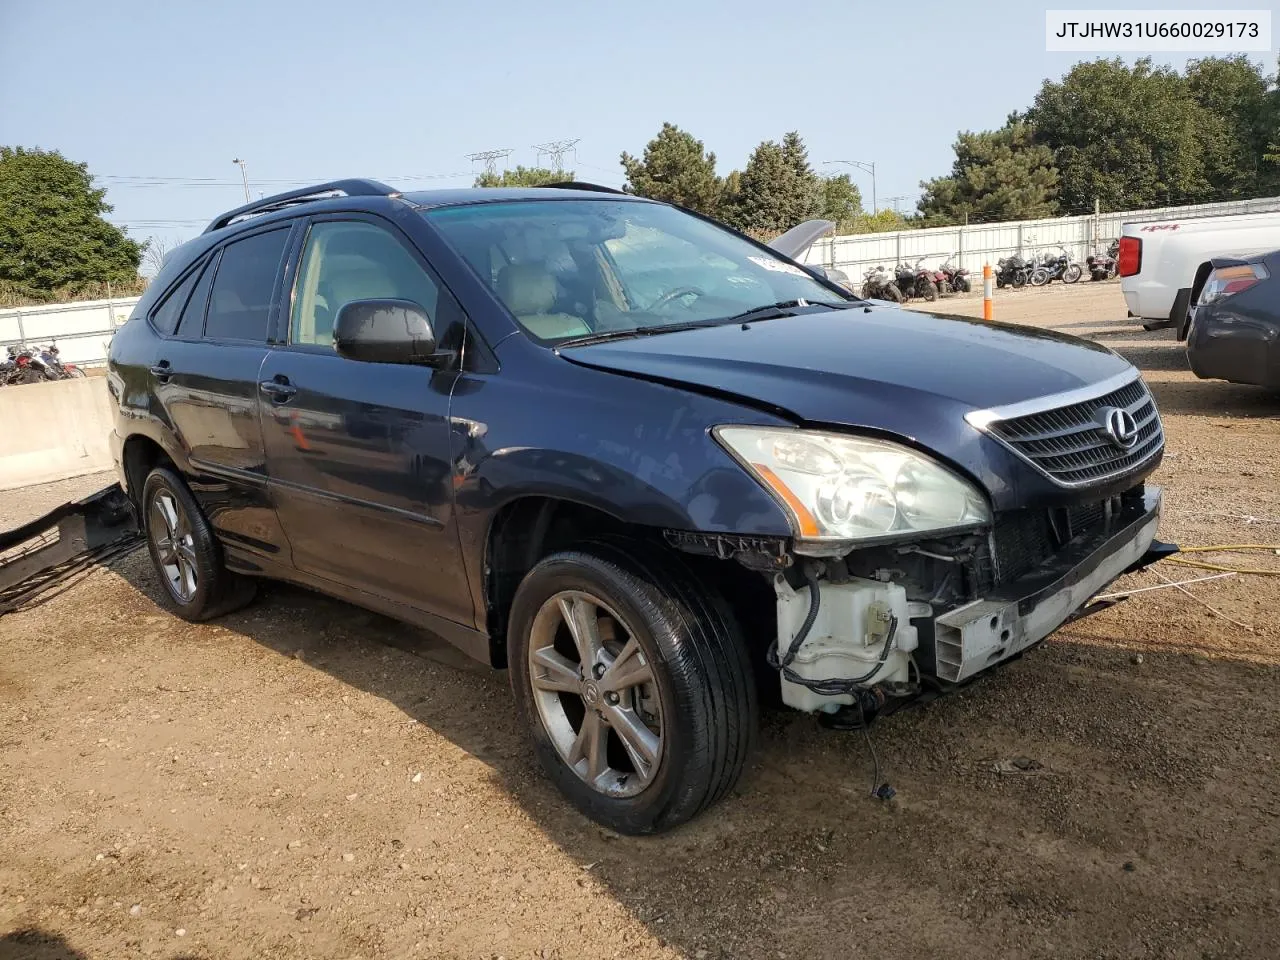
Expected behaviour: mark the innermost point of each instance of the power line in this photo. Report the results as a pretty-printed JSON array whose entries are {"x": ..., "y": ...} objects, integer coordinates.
[{"x": 136, "y": 180}]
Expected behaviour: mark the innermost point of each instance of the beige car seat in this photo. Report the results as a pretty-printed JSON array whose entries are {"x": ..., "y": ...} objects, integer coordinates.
[{"x": 529, "y": 292}]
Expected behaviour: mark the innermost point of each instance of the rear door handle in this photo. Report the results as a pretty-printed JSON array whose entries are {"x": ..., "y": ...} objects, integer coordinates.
[
  {"x": 279, "y": 389},
  {"x": 162, "y": 371}
]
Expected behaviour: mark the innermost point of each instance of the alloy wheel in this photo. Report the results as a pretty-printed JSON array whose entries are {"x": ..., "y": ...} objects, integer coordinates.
[
  {"x": 596, "y": 693},
  {"x": 170, "y": 531}
]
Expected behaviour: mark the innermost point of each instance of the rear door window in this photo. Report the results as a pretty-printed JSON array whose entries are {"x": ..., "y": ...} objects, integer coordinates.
[{"x": 240, "y": 300}]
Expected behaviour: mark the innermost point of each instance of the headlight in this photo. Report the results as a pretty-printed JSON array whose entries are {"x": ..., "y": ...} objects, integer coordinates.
[{"x": 840, "y": 490}]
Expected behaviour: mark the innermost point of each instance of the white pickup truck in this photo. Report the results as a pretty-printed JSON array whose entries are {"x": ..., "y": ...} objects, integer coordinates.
[{"x": 1163, "y": 264}]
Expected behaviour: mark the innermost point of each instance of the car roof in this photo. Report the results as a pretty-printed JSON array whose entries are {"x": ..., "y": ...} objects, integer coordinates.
[{"x": 470, "y": 195}]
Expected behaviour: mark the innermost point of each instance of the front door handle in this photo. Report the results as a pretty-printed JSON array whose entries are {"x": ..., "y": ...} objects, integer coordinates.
[
  {"x": 162, "y": 371},
  {"x": 278, "y": 388}
]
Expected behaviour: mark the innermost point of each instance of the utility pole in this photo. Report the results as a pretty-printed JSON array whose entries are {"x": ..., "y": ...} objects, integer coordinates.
[
  {"x": 244, "y": 175},
  {"x": 490, "y": 158},
  {"x": 556, "y": 150},
  {"x": 866, "y": 167}
]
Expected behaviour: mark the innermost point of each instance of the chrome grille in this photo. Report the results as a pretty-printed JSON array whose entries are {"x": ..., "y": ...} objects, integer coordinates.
[{"x": 1070, "y": 445}]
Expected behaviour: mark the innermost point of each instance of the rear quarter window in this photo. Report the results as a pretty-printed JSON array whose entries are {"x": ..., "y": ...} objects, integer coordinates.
[{"x": 165, "y": 316}]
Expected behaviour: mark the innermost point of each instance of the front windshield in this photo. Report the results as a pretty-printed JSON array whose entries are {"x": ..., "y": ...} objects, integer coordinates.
[{"x": 576, "y": 268}]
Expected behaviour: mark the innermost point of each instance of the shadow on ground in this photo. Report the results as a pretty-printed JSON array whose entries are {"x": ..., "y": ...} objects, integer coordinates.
[
  {"x": 35, "y": 944},
  {"x": 800, "y": 862}
]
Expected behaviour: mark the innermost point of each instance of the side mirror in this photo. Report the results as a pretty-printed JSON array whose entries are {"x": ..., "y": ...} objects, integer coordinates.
[{"x": 385, "y": 331}]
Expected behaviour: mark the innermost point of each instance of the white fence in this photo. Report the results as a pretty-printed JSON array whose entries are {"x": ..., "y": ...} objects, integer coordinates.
[
  {"x": 81, "y": 330},
  {"x": 976, "y": 244}
]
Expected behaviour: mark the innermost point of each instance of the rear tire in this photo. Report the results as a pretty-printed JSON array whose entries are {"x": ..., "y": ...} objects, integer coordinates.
[
  {"x": 1039, "y": 277},
  {"x": 696, "y": 704},
  {"x": 196, "y": 583},
  {"x": 891, "y": 292}
]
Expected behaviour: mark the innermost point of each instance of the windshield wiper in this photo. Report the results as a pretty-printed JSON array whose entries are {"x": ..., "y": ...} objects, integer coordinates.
[
  {"x": 767, "y": 312},
  {"x": 774, "y": 311},
  {"x": 606, "y": 335}
]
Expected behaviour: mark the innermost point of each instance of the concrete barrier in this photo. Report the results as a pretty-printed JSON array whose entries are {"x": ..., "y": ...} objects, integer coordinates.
[{"x": 54, "y": 431}]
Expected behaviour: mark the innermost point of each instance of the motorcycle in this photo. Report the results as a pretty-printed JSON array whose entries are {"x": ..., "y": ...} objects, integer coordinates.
[
  {"x": 918, "y": 281},
  {"x": 1059, "y": 267},
  {"x": 1013, "y": 272},
  {"x": 1104, "y": 266},
  {"x": 955, "y": 279},
  {"x": 21, "y": 368},
  {"x": 54, "y": 365},
  {"x": 878, "y": 284}
]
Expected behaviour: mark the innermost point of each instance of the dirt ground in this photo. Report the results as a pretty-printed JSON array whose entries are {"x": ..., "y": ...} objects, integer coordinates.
[{"x": 306, "y": 780}]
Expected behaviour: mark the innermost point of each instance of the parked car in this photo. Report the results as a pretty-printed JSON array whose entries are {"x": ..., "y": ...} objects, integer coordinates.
[
  {"x": 1234, "y": 329},
  {"x": 1158, "y": 261},
  {"x": 654, "y": 468}
]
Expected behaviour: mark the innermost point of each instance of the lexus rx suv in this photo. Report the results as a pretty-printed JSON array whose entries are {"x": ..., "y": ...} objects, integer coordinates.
[{"x": 658, "y": 471}]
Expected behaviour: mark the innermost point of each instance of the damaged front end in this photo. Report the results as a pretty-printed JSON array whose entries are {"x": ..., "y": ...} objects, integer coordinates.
[
  {"x": 903, "y": 580},
  {"x": 909, "y": 618}
]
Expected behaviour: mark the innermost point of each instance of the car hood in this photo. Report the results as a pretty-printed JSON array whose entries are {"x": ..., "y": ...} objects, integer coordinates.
[{"x": 891, "y": 371}]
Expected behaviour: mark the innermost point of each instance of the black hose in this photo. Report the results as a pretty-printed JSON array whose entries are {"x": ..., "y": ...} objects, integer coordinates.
[
  {"x": 815, "y": 599},
  {"x": 831, "y": 686}
]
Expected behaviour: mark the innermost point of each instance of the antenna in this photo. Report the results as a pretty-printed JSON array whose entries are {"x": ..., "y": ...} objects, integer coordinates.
[
  {"x": 556, "y": 150},
  {"x": 489, "y": 158}
]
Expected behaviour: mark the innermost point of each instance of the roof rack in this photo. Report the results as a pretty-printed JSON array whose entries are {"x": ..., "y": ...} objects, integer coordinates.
[
  {"x": 579, "y": 185},
  {"x": 279, "y": 201}
]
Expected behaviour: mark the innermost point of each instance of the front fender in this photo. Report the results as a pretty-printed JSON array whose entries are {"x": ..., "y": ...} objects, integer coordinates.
[{"x": 638, "y": 451}]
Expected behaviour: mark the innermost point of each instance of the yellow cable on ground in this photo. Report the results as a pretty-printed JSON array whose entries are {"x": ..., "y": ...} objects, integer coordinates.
[{"x": 1228, "y": 548}]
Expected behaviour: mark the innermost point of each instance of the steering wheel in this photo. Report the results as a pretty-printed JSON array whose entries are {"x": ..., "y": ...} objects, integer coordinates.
[{"x": 676, "y": 294}]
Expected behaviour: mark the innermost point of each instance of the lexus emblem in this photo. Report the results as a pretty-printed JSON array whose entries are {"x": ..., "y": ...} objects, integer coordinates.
[{"x": 1119, "y": 426}]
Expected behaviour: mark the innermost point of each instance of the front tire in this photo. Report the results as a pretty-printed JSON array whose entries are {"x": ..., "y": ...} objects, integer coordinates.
[
  {"x": 634, "y": 683},
  {"x": 1072, "y": 273},
  {"x": 197, "y": 585}
]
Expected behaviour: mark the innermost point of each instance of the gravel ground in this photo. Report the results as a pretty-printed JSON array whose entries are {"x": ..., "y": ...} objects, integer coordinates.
[
  {"x": 26, "y": 503},
  {"x": 306, "y": 780}
]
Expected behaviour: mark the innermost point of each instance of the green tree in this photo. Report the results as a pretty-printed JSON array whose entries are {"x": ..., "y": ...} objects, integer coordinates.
[
  {"x": 677, "y": 169},
  {"x": 523, "y": 177},
  {"x": 882, "y": 221},
  {"x": 997, "y": 175},
  {"x": 777, "y": 188},
  {"x": 1129, "y": 136},
  {"x": 52, "y": 231},
  {"x": 1235, "y": 95},
  {"x": 839, "y": 200}
]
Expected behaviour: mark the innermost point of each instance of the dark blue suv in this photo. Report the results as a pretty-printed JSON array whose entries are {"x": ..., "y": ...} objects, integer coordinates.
[{"x": 658, "y": 470}]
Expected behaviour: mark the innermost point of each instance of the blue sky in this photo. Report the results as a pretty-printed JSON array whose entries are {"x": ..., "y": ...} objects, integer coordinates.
[{"x": 394, "y": 89}]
